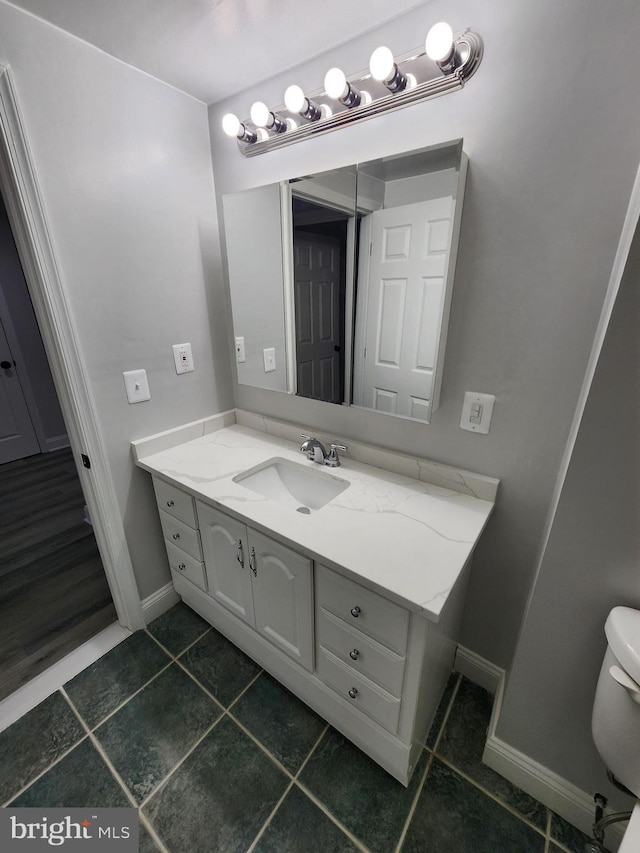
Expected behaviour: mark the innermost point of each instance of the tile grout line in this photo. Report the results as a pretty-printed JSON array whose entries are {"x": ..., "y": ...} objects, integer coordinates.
[
  {"x": 144, "y": 821},
  {"x": 98, "y": 747},
  {"x": 143, "y": 803},
  {"x": 325, "y": 810},
  {"x": 48, "y": 767},
  {"x": 118, "y": 707},
  {"x": 445, "y": 720},
  {"x": 547, "y": 843},
  {"x": 265, "y": 825},
  {"x": 492, "y": 796},
  {"x": 414, "y": 803},
  {"x": 261, "y": 746},
  {"x": 291, "y": 784},
  {"x": 211, "y": 695},
  {"x": 182, "y": 651}
]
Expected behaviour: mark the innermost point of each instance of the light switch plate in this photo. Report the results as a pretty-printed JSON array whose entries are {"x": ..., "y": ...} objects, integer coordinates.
[
  {"x": 135, "y": 381},
  {"x": 183, "y": 358},
  {"x": 269, "y": 355},
  {"x": 476, "y": 412}
]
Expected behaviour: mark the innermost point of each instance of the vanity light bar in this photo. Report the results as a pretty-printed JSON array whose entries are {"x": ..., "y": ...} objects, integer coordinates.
[{"x": 443, "y": 64}]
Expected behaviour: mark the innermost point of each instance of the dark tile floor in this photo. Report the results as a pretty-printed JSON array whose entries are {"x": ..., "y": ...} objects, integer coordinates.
[{"x": 220, "y": 758}]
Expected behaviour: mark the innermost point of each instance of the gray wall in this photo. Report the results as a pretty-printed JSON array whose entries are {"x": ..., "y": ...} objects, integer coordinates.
[
  {"x": 552, "y": 157},
  {"x": 591, "y": 564},
  {"x": 124, "y": 167}
]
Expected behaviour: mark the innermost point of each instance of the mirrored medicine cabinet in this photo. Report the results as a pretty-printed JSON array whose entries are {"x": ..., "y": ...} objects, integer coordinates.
[{"x": 341, "y": 281}]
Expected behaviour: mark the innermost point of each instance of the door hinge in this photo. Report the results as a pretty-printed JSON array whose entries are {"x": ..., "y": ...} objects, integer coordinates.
[{"x": 85, "y": 460}]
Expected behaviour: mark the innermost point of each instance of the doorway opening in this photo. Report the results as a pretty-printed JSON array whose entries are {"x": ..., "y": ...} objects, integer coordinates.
[{"x": 54, "y": 594}]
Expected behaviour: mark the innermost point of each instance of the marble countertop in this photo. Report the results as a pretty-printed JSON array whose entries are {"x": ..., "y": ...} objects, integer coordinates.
[{"x": 407, "y": 538}]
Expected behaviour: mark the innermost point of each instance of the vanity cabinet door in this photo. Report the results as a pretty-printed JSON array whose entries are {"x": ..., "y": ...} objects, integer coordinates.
[
  {"x": 283, "y": 597},
  {"x": 226, "y": 559}
]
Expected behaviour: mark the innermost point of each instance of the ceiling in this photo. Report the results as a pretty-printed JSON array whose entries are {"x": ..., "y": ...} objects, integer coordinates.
[{"x": 215, "y": 48}]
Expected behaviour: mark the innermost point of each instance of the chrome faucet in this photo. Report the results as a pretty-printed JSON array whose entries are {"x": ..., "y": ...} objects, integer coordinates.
[
  {"x": 316, "y": 452},
  {"x": 313, "y": 448}
]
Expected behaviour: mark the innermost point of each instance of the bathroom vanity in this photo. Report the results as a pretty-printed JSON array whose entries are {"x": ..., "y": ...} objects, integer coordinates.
[{"x": 346, "y": 584}]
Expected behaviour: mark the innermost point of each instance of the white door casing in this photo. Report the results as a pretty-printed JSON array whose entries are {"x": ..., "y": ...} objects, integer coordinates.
[
  {"x": 17, "y": 435},
  {"x": 397, "y": 350},
  {"x": 21, "y": 194}
]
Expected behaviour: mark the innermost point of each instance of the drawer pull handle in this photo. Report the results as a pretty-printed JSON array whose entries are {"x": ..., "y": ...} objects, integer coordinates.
[
  {"x": 354, "y": 654},
  {"x": 240, "y": 554},
  {"x": 355, "y": 612},
  {"x": 353, "y": 693},
  {"x": 170, "y": 503},
  {"x": 182, "y": 566},
  {"x": 176, "y": 536},
  {"x": 252, "y": 563}
]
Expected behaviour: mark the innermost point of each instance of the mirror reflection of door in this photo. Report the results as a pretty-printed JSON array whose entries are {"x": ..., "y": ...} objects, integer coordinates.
[
  {"x": 401, "y": 292},
  {"x": 319, "y": 274}
]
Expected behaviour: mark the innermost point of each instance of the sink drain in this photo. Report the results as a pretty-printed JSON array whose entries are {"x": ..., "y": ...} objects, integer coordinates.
[{"x": 304, "y": 510}]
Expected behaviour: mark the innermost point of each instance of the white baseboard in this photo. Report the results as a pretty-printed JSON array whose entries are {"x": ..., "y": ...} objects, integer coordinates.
[
  {"x": 158, "y": 602},
  {"x": 561, "y": 796},
  {"x": 478, "y": 670}
]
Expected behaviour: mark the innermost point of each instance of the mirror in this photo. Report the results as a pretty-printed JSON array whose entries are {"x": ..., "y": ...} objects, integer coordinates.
[{"x": 341, "y": 282}]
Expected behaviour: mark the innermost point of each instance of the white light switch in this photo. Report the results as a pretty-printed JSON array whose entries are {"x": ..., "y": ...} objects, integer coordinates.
[
  {"x": 182, "y": 358},
  {"x": 240, "y": 357},
  {"x": 476, "y": 412},
  {"x": 135, "y": 381},
  {"x": 269, "y": 359}
]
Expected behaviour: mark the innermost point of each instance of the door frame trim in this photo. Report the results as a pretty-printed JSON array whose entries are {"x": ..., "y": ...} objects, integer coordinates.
[{"x": 19, "y": 185}]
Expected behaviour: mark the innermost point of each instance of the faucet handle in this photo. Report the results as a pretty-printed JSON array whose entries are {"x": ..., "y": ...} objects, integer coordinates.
[{"x": 333, "y": 460}]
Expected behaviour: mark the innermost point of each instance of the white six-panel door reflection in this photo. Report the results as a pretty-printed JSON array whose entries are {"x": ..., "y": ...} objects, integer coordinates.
[{"x": 404, "y": 290}]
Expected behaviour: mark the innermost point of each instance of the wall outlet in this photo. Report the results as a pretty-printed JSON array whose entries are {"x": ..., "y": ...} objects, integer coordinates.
[
  {"x": 476, "y": 412},
  {"x": 240, "y": 356},
  {"x": 182, "y": 358},
  {"x": 135, "y": 381},
  {"x": 269, "y": 355}
]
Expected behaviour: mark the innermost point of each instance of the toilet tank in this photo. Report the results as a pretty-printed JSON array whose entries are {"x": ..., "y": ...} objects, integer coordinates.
[{"x": 615, "y": 722}]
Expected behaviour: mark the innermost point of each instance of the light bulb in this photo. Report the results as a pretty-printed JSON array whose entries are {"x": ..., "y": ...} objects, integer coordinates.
[
  {"x": 335, "y": 83},
  {"x": 381, "y": 64},
  {"x": 260, "y": 114},
  {"x": 439, "y": 42},
  {"x": 294, "y": 99},
  {"x": 231, "y": 124}
]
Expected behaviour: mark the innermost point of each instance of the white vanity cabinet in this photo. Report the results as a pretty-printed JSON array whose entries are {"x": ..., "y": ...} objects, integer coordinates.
[
  {"x": 180, "y": 530},
  {"x": 264, "y": 583},
  {"x": 355, "y": 609}
]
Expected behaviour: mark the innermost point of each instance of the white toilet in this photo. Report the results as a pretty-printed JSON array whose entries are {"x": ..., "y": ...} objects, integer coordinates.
[{"x": 615, "y": 722}]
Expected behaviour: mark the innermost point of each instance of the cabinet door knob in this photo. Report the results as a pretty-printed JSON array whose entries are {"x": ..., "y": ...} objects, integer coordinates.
[
  {"x": 252, "y": 562},
  {"x": 240, "y": 554},
  {"x": 176, "y": 536},
  {"x": 355, "y": 612},
  {"x": 354, "y": 654},
  {"x": 182, "y": 567},
  {"x": 170, "y": 503},
  {"x": 353, "y": 693}
]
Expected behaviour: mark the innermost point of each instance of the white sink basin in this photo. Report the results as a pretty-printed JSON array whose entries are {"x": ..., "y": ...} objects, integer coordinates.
[{"x": 300, "y": 487}]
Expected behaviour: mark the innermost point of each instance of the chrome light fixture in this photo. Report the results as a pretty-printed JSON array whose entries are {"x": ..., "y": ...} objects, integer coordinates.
[{"x": 442, "y": 64}]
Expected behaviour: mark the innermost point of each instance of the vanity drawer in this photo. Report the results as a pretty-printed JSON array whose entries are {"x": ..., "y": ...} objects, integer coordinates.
[
  {"x": 358, "y": 691},
  {"x": 177, "y": 503},
  {"x": 386, "y": 622},
  {"x": 177, "y": 533},
  {"x": 181, "y": 563},
  {"x": 359, "y": 652}
]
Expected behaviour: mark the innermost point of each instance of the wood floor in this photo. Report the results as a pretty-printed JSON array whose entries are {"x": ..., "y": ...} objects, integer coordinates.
[{"x": 53, "y": 590}]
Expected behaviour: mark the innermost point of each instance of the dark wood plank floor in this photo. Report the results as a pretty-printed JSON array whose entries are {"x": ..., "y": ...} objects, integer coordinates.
[{"x": 53, "y": 590}]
